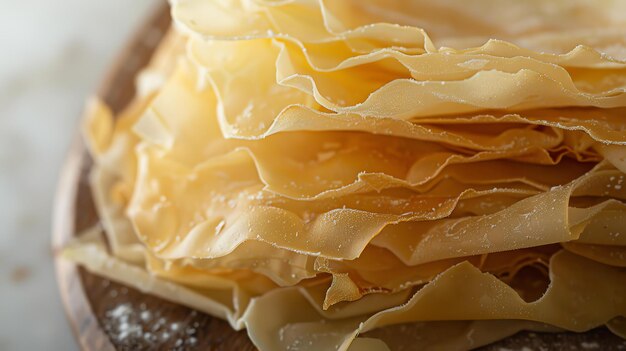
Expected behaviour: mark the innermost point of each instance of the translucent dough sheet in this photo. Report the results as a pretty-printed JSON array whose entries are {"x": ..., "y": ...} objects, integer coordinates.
[{"x": 373, "y": 175}]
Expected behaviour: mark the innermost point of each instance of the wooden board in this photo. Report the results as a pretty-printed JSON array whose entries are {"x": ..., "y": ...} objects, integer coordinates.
[{"x": 105, "y": 315}]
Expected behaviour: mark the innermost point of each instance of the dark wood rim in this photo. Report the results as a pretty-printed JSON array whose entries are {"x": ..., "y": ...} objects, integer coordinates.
[{"x": 116, "y": 90}]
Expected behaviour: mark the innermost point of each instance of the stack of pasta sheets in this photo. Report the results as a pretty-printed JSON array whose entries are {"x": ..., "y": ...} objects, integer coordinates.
[{"x": 373, "y": 174}]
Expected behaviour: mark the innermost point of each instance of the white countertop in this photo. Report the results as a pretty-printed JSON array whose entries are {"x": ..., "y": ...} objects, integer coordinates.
[{"x": 53, "y": 55}]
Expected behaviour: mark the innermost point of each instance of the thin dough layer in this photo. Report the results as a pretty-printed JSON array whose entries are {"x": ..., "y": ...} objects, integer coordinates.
[{"x": 373, "y": 175}]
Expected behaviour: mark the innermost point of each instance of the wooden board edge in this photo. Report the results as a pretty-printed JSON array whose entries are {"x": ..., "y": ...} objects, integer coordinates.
[{"x": 83, "y": 322}]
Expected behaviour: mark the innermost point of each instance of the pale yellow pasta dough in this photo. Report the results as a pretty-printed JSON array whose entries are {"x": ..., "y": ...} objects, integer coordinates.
[{"x": 373, "y": 174}]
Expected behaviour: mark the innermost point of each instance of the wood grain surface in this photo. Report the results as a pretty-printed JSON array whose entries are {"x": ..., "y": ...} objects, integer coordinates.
[{"x": 109, "y": 316}]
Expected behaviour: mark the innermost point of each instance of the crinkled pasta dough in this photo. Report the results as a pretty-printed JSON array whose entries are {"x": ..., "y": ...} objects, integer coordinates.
[{"x": 373, "y": 175}]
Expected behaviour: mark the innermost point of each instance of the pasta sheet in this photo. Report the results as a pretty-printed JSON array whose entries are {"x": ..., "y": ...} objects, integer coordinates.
[{"x": 372, "y": 175}]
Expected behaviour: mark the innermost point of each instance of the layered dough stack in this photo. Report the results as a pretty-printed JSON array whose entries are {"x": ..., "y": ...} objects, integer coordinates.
[{"x": 373, "y": 174}]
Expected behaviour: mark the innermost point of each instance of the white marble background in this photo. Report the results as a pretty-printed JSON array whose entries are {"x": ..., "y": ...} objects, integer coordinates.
[{"x": 52, "y": 55}]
